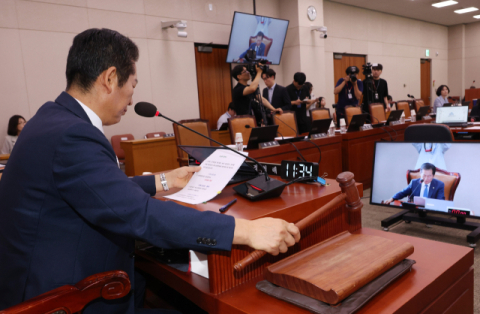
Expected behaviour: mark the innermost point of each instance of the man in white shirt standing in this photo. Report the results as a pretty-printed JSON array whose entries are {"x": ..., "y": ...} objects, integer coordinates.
[{"x": 227, "y": 115}]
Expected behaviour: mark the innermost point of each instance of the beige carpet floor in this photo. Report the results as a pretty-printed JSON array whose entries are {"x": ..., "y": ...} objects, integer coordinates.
[{"x": 372, "y": 216}]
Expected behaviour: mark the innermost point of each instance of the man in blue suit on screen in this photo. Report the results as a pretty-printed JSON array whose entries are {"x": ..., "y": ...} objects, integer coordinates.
[
  {"x": 258, "y": 46},
  {"x": 426, "y": 186},
  {"x": 68, "y": 212}
]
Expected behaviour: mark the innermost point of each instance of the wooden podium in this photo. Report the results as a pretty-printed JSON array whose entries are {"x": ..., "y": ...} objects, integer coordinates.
[{"x": 442, "y": 277}]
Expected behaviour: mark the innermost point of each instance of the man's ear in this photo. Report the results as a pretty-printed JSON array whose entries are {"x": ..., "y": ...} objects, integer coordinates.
[{"x": 109, "y": 79}]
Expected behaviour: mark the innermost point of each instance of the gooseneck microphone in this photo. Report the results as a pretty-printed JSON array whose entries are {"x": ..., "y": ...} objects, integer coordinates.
[
  {"x": 410, "y": 197},
  {"x": 256, "y": 189}
]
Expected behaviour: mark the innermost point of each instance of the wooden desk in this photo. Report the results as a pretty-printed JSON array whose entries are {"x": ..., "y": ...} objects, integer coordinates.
[
  {"x": 358, "y": 150},
  {"x": 441, "y": 279},
  {"x": 331, "y": 148},
  {"x": 149, "y": 155},
  {"x": 296, "y": 202}
]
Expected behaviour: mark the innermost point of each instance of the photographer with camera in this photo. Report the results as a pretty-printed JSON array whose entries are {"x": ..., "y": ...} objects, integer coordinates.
[
  {"x": 243, "y": 95},
  {"x": 349, "y": 90},
  {"x": 375, "y": 89}
]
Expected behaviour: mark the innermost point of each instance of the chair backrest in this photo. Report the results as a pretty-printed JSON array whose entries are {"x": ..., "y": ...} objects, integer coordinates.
[
  {"x": 266, "y": 40},
  {"x": 187, "y": 137},
  {"x": 417, "y": 103},
  {"x": 350, "y": 111},
  {"x": 430, "y": 133},
  {"x": 378, "y": 113},
  {"x": 116, "y": 139},
  {"x": 320, "y": 114},
  {"x": 241, "y": 124},
  {"x": 450, "y": 179},
  {"x": 287, "y": 123},
  {"x": 403, "y": 105},
  {"x": 110, "y": 285},
  {"x": 155, "y": 135}
]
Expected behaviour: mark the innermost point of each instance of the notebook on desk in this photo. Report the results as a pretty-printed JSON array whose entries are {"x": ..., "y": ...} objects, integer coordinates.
[{"x": 455, "y": 116}]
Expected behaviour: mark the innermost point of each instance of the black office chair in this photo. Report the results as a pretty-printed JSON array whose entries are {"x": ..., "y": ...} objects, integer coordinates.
[{"x": 439, "y": 133}]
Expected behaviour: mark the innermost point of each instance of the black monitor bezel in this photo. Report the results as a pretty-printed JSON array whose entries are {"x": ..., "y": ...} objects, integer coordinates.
[
  {"x": 423, "y": 210},
  {"x": 231, "y": 29}
]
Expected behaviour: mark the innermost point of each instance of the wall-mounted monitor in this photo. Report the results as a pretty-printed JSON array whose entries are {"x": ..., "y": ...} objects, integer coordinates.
[
  {"x": 402, "y": 173},
  {"x": 263, "y": 34}
]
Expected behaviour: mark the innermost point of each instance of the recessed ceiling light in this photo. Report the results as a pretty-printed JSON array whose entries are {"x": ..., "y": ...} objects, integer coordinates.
[
  {"x": 444, "y": 4},
  {"x": 466, "y": 10},
  {"x": 477, "y": 16}
]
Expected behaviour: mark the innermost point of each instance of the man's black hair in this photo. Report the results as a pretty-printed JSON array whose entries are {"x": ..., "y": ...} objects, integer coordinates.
[
  {"x": 377, "y": 66},
  {"x": 439, "y": 89},
  {"x": 300, "y": 78},
  {"x": 231, "y": 106},
  {"x": 429, "y": 166},
  {"x": 13, "y": 124},
  {"x": 237, "y": 70},
  {"x": 389, "y": 98},
  {"x": 94, "y": 51},
  {"x": 270, "y": 73},
  {"x": 260, "y": 34}
]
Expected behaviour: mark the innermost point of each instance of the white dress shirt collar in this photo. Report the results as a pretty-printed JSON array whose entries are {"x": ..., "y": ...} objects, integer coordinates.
[{"x": 94, "y": 118}]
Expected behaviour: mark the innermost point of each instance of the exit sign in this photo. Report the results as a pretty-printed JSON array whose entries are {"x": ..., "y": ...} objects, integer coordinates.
[{"x": 427, "y": 53}]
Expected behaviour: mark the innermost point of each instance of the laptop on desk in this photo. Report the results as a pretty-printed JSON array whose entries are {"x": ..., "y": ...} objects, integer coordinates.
[
  {"x": 319, "y": 126},
  {"x": 261, "y": 135},
  {"x": 357, "y": 121},
  {"x": 455, "y": 116}
]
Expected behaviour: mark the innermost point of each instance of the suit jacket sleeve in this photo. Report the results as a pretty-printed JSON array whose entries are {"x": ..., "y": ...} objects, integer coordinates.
[
  {"x": 405, "y": 192},
  {"x": 440, "y": 190},
  {"x": 265, "y": 93},
  {"x": 87, "y": 177},
  {"x": 286, "y": 102}
]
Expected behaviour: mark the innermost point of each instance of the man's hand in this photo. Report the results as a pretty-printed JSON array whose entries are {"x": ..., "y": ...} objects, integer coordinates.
[
  {"x": 346, "y": 78},
  {"x": 267, "y": 234},
  {"x": 297, "y": 102},
  {"x": 387, "y": 202},
  {"x": 179, "y": 177},
  {"x": 278, "y": 110},
  {"x": 259, "y": 70}
]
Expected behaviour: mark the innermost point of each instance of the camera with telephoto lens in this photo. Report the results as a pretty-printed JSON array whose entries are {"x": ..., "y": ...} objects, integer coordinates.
[
  {"x": 251, "y": 61},
  {"x": 352, "y": 73}
]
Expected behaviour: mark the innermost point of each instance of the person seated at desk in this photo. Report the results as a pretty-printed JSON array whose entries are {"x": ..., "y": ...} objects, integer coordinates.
[
  {"x": 227, "y": 115},
  {"x": 258, "y": 46},
  {"x": 442, "y": 93},
  {"x": 475, "y": 113},
  {"x": 15, "y": 126},
  {"x": 426, "y": 186},
  {"x": 69, "y": 212}
]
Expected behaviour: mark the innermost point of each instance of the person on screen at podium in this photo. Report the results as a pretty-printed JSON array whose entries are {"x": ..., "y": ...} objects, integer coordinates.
[
  {"x": 243, "y": 95},
  {"x": 426, "y": 186},
  {"x": 69, "y": 212},
  {"x": 227, "y": 115},
  {"x": 442, "y": 93},
  {"x": 258, "y": 46},
  {"x": 348, "y": 92}
]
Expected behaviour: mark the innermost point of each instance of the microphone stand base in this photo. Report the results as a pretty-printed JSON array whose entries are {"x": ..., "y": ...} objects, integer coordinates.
[{"x": 260, "y": 189}]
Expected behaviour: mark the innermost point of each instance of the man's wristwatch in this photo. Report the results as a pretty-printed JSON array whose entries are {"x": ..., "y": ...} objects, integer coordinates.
[{"x": 163, "y": 181}]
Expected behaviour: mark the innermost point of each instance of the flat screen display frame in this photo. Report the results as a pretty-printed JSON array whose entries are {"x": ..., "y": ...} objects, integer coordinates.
[
  {"x": 463, "y": 176},
  {"x": 231, "y": 33}
]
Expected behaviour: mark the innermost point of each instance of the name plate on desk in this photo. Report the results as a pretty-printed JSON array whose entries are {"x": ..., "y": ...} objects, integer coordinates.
[
  {"x": 426, "y": 118},
  {"x": 268, "y": 144},
  {"x": 366, "y": 127},
  {"x": 392, "y": 123},
  {"x": 169, "y": 135},
  {"x": 319, "y": 135}
]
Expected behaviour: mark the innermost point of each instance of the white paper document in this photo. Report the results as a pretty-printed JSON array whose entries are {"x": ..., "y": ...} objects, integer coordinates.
[{"x": 216, "y": 171}]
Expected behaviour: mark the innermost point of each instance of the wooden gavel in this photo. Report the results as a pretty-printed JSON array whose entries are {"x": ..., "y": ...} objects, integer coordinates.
[{"x": 349, "y": 194}]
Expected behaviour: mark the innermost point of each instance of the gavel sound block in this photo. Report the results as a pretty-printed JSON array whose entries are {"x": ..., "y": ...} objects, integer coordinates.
[{"x": 332, "y": 270}]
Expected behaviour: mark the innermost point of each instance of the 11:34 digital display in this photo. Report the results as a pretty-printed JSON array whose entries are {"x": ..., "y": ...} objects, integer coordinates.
[{"x": 291, "y": 170}]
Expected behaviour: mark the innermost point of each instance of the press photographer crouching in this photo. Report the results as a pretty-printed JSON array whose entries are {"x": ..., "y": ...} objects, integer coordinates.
[
  {"x": 243, "y": 95},
  {"x": 375, "y": 89},
  {"x": 349, "y": 90}
]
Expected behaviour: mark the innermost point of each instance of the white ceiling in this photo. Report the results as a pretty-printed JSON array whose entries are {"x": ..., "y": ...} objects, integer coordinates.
[{"x": 421, "y": 10}]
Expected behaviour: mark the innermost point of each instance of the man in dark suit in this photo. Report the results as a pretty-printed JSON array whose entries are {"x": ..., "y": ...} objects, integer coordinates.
[
  {"x": 258, "y": 46},
  {"x": 276, "y": 94},
  {"x": 67, "y": 211},
  {"x": 426, "y": 186}
]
